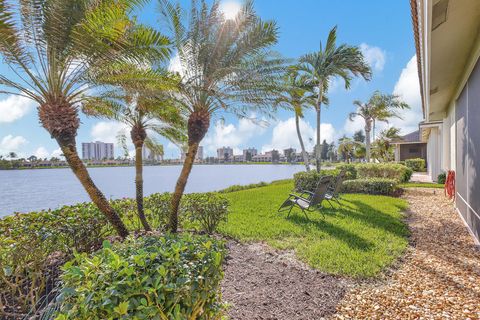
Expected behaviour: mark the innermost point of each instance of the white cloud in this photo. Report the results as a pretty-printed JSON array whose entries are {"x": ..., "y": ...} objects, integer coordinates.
[
  {"x": 41, "y": 152},
  {"x": 408, "y": 89},
  {"x": 14, "y": 107},
  {"x": 107, "y": 131},
  {"x": 285, "y": 135},
  {"x": 350, "y": 127},
  {"x": 10, "y": 143},
  {"x": 375, "y": 56},
  {"x": 57, "y": 153},
  {"x": 232, "y": 136}
]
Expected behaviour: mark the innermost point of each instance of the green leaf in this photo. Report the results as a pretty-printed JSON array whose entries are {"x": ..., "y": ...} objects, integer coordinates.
[
  {"x": 122, "y": 308},
  {"x": 106, "y": 244}
]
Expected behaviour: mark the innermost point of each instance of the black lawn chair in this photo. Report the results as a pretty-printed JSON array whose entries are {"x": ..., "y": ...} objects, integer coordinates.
[
  {"x": 333, "y": 192},
  {"x": 307, "y": 200}
]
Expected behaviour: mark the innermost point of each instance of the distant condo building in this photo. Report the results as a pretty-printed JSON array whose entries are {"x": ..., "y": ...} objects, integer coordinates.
[
  {"x": 225, "y": 154},
  {"x": 249, "y": 153},
  {"x": 97, "y": 150}
]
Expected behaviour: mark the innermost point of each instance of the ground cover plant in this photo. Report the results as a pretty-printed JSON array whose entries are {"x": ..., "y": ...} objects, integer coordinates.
[
  {"x": 360, "y": 238},
  {"x": 168, "y": 277}
]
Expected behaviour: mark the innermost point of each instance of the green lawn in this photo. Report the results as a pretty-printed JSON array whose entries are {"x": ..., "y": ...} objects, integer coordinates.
[
  {"x": 421, "y": 185},
  {"x": 360, "y": 239}
]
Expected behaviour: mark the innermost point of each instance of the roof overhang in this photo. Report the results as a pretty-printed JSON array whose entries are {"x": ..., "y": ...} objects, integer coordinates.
[
  {"x": 447, "y": 42},
  {"x": 426, "y": 128}
]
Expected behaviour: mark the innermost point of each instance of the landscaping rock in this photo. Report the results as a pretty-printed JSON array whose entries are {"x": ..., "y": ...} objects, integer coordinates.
[{"x": 439, "y": 277}]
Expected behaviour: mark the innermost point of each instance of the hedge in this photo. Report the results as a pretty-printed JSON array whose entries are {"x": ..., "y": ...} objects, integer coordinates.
[
  {"x": 417, "y": 164},
  {"x": 395, "y": 171},
  {"x": 382, "y": 186},
  {"x": 308, "y": 180},
  {"x": 170, "y": 277}
]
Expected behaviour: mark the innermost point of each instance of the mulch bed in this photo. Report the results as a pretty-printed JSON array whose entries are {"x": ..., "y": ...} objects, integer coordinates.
[
  {"x": 263, "y": 283},
  {"x": 439, "y": 277}
]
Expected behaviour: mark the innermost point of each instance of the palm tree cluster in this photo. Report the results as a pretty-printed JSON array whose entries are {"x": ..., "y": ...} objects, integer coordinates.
[{"x": 93, "y": 57}]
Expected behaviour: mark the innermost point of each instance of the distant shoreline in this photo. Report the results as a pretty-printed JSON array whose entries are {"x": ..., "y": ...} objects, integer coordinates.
[{"x": 152, "y": 165}]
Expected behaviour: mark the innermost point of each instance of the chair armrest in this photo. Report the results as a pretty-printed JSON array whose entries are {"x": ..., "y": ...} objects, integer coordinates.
[{"x": 298, "y": 197}]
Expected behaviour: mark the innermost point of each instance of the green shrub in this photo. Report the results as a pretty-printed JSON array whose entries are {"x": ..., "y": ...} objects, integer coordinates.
[
  {"x": 31, "y": 244},
  {"x": 416, "y": 164},
  {"x": 308, "y": 180},
  {"x": 207, "y": 209},
  {"x": 441, "y": 178},
  {"x": 395, "y": 171},
  {"x": 171, "y": 277},
  {"x": 350, "y": 170},
  {"x": 157, "y": 209},
  {"x": 382, "y": 186}
]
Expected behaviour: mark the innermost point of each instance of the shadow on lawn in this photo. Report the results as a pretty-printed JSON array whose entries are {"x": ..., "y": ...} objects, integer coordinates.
[
  {"x": 351, "y": 239},
  {"x": 373, "y": 217}
]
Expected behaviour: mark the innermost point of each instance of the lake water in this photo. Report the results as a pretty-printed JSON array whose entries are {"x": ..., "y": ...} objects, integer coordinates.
[{"x": 30, "y": 190}]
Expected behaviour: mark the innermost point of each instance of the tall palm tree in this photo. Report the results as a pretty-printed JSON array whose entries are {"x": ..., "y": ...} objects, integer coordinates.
[
  {"x": 380, "y": 107},
  {"x": 54, "y": 47},
  {"x": 323, "y": 66},
  {"x": 225, "y": 65},
  {"x": 297, "y": 96},
  {"x": 141, "y": 104}
]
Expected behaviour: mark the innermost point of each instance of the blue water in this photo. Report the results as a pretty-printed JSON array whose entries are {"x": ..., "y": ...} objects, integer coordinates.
[{"x": 30, "y": 190}]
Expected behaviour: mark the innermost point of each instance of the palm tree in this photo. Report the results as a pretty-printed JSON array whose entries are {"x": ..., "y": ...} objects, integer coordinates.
[
  {"x": 144, "y": 108},
  {"x": 380, "y": 107},
  {"x": 382, "y": 148},
  {"x": 323, "y": 66},
  {"x": 225, "y": 66},
  {"x": 297, "y": 97},
  {"x": 54, "y": 48},
  {"x": 347, "y": 147},
  {"x": 12, "y": 155}
]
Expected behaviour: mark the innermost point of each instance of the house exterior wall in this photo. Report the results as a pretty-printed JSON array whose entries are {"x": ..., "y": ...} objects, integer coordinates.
[{"x": 467, "y": 115}]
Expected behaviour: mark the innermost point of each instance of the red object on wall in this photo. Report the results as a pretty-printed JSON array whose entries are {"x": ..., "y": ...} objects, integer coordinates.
[{"x": 450, "y": 185}]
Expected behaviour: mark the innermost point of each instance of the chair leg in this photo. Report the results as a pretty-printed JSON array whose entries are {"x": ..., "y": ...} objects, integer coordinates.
[
  {"x": 305, "y": 213},
  {"x": 283, "y": 207},
  {"x": 329, "y": 203},
  {"x": 291, "y": 207},
  {"x": 336, "y": 198}
]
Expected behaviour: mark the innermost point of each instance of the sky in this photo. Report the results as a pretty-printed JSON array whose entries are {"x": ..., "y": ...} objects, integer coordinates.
[{"x": 382, "y": 29}]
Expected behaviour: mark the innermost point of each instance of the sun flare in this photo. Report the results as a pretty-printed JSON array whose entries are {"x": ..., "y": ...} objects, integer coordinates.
[{"x": 230, "y": 9}]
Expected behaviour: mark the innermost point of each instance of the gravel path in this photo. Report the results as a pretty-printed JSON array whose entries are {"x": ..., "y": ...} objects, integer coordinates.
[
  {"x": 263, "y": 283},
  {"x": 439, "y": 277}
]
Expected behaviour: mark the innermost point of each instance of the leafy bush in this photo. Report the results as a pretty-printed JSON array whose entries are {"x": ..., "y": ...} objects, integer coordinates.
[
  {"x": 157, "y": 209},
  {"x": 416, "y": 164},
  {"x": 395, "y": 171},
  {"x": 350, "y": 170},
  {"x": 32, "y": 244},
  {"x": 208, "y": 209},
  {"x": 171, "y": 277},
  {"x": 382, "y": 186},
  {"x": 441, "y": 178},
  {"x": 308, "y": 180}
]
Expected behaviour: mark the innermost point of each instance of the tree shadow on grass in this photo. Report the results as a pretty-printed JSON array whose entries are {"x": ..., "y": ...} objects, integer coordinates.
[
  {"x": 375, "y": 218},
  {"x": 351, "y": 239}
]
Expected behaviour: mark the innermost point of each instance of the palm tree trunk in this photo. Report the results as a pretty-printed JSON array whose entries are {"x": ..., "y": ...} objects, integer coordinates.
[
  {"x": 70, "y": 152},
  {"x": 318, "y": 109},
  {"x": 367, "y": 142},
  {"x": 304, "y": 153},
  {"x": 139, "y": 185},
  {"x": 181, "y": 183},
  {"x": 198, "y": 124}
]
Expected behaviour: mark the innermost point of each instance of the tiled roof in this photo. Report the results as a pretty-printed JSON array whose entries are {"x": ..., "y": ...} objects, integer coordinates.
[{"x": 411, "y": 137}]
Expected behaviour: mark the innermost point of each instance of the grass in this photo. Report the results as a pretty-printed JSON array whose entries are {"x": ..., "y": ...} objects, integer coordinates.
[
  {"x": 421, "y": 185},
  {"x": 359, "y": 239}
]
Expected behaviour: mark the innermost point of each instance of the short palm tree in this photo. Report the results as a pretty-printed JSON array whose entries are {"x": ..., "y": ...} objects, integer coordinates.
[
  {"x": 323, "y": 66},
  {"x": 54, "y": 47},
  {"x": 297, "y": 96},
  {"x": 225, "y": 65},
  {"x": 382, "y": 147},
  {"x": 380, "y": 107},
  {"x": 140, "y": 102},
  {"x": 347, "y": 148}
]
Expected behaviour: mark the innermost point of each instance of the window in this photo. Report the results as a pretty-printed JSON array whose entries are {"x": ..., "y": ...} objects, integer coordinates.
[{"x": 413, "y": 150}]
